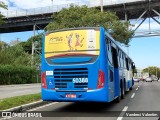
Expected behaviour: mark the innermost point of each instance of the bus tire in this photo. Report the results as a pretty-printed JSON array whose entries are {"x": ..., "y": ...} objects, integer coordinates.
[
  {"x": 118, "y": 99},
  {"x": 130, "y": 88},
  {"x": 124, "y": 86},
  {"x": 122, "y": 90}
]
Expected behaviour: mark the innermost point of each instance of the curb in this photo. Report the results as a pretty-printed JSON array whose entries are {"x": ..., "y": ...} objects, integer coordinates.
[{"x": 26, "y": 107}]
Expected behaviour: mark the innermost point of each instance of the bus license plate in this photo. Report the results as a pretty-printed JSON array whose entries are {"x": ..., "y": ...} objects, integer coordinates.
[{"x": 70, "y": 95}]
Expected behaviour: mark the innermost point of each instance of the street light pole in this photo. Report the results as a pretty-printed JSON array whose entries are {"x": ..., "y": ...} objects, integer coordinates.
[
  {"x": 52, "y": 5},
  {"x": 101, "y": 4},
  {"x": 32, "y": 59}
]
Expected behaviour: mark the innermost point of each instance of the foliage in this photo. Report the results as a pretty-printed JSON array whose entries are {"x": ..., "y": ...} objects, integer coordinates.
[
  {"x": 2, "y": 5},
  {"x": 14, "y": 42},
  {"x": 135, "y": 70},
  {"x": 76, "y": 16},
  {"x": 27, "y": 46},
  {"x": 152, "y": 70},
  {"x": 3, "y": 45},
  {"x": 18, "y": 100},
  {"x": 15, "y": 63},
  {"x": 17, "y": 74},
  {"x": 14, "y": 55}
]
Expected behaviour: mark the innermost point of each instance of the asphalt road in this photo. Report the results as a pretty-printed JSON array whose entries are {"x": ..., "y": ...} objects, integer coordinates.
[
  {"x": 145, "y": 96},
  {"x": 17, "y": 90}
]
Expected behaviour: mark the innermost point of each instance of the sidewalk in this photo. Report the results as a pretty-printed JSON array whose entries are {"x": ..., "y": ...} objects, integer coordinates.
[{"x": 19, "y": 85}]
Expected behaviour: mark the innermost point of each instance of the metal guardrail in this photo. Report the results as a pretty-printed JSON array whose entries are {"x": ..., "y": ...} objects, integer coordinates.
[{"x": 56, "y": 8}]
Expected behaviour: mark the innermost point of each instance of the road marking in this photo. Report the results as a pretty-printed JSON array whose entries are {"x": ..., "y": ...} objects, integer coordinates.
[
  {"x": 138, "y": 85},
  {"x": 133, "y": 95},
  {"x": 136, "y": 88},
  {"x": 122, "y": 113},
  {"x": 42, "y": 106}
]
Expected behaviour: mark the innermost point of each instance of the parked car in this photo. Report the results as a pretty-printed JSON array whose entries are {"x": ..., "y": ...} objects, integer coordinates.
[
  {"x": 155, "y": 79},
  {"x": 149, "y": 79},
  {"x": 136, "y": 79}
]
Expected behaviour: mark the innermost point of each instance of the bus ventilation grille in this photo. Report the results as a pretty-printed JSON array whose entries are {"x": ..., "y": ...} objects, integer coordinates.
[{"x": 64, "y": 77}]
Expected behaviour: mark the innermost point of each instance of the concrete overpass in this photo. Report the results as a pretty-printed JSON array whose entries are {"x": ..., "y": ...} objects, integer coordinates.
[{"x": 24, "y": 20}]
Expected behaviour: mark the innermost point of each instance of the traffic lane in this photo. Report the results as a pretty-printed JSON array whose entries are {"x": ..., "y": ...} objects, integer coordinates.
[
  {"x": 91, "y": 106},
  {"x": 79, "y": 111},
  {"x": 17, "y": 90},
  {"x": 146, "y": 98},
  {"x": 92, "y": 110}
]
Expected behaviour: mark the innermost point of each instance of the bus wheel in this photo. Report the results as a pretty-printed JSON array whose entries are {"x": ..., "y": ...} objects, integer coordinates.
[
  {"x": 130, "y": 88},
  {"x": 122, "y": 91},
  {"x": 118, "y": 99}
]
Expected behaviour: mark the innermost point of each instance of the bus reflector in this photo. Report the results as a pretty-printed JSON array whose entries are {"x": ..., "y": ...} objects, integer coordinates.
[
  {"x": 44, "y": 84},
  {"x": 100, "y": 79}
]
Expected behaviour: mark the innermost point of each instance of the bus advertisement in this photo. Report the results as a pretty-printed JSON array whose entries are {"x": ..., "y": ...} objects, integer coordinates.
[{"x": 84, "y": 64}]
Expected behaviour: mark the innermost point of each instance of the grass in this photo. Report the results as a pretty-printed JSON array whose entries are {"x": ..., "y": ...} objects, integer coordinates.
[{"x": 7, "y": 103}]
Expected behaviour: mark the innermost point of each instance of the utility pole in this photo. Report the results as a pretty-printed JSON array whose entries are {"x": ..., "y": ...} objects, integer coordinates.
[
  {"x": 32, "y": 59},
  {"x": 101, "y": 4}
]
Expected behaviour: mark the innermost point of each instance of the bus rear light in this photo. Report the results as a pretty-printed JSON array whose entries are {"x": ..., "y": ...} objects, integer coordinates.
[
  {"x": 100, "y": 79},
  {"x": 44, "y": 83}
]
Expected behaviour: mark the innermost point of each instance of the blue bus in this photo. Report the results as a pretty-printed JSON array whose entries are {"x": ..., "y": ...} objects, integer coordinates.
[{"x": 84, "y": 64}]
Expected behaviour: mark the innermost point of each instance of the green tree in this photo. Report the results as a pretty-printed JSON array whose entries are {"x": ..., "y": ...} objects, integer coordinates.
[
  {"x": 76, "y": 16},
  {"x": 27, "y": 46},
  {"x": 2, "y": 5},
  {"x": 153, "y": 70},
  {"x": 3, "y": 45},
  {"x": 14, "y": 55}
]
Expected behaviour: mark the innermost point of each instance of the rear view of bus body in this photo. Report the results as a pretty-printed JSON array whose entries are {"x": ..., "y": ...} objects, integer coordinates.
[{"x": 84, "y": 64}]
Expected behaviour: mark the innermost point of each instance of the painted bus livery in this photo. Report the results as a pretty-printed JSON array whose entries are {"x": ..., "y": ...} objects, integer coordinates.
[{"x": 84, "y": 64}]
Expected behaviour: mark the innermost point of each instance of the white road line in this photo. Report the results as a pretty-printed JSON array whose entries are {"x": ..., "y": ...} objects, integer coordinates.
[
  {"x": 42, "y": 106},
  {"x": 125, "y": 108},
  {"x": 133, "y": 95},
  {"x": 136, "y": 88},
  {"x": 122, "y": 113}
]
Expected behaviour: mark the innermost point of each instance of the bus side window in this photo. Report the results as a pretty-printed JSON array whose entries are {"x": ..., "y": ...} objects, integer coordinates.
[
  {"x": 111, "y": 75},
  {"x": 124, "y": 62},
  {"x": 130, "y": 66},
  {"x": 107, "y": 43},
  {"x": 122, "y": 59},
  {"x": 114, "y": 57},
  {"x": 133, "y": 65},
  {"x": 127, "y": 64},
  {"x": 109, "y": 53},
  {"x": 119, "y": 57}
]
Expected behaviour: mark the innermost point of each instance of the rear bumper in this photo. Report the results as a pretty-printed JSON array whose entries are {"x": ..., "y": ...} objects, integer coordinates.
[{"x": 98, "y": 95}]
